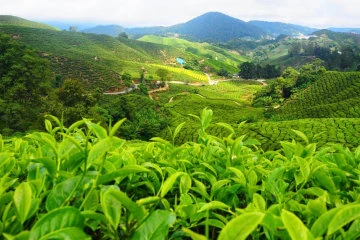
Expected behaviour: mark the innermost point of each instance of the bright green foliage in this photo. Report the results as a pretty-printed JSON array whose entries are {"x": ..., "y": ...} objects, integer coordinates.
[
  {"x": 213, "y": 56},
  {"x": 334, "y": 94},
  {"x": 163, "y": 74},
  {"x": 82, "y": 182},
  {"x": 241, "y": 227}
]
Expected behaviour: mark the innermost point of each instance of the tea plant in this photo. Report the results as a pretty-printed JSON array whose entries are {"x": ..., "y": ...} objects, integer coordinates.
[{"x": 83, "y": 182}]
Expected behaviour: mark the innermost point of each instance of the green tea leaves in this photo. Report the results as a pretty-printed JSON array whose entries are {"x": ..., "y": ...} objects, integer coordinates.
[
  {"x": 295, "y": 226},
  {"x": 241, "y": 226},
  {"x": 22, "y": 201},
  {"x": 155, "y": 227},
  {"x": 66, "y": 221},
  {"x": 111, "y": 206},
  {"x": 342, "y": 217},
  {"x": 168, "y": 184}
]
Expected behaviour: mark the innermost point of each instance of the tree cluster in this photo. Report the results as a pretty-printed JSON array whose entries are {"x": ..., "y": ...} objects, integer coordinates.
[
  {"x": 25, "y": 78},
  {"x": 249, "y": 70},
  {"x": 345, "y": 57},
  {"x": 288, "y": 83}
]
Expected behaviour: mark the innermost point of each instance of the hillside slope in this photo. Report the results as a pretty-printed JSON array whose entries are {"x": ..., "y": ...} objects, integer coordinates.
[
  {"x": 213, "y": 56},
  {"x": 99, "y": 60},
  {"x": 334, "y": 94},
  {"x": 111, "y": 30},
  {"x": 17, "y": 21}
]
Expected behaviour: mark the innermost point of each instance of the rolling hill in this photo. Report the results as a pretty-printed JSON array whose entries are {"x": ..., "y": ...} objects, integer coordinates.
[
  {"x": 111, "y": 30},
  {"x": 345, "y": 30},
  {"x": 333, "y": 95},
  {"x": 17, "y": 21},
  {"x": 99, "y": 60},
  {"x": 277, "y": 28},
  {"x": 213, "y": 55}
]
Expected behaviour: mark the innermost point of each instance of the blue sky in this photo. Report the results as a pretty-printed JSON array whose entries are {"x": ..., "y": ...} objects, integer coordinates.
[{"x": 313, "y": 13}]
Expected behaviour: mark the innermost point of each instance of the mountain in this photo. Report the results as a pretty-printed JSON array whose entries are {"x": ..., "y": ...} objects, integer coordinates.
[
  {"x": 111, "y": 30},
  {"x": 17, "y": 21},
  {"x": 212, "y": 26},
  {"x": 345, "y": 30},
  {"x": 142, "y": 31},
  {"x": 278, "y": 28},
  {"x": 65, "y": 25},
  {"x": 215, "y": 26}
]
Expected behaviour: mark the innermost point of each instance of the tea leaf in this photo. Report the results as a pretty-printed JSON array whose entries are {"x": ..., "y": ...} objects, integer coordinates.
[
  {"x": 99, "y": 131},
  {"x": 111, "y": 206},
  {"x": 193, "y": 235},
  {"x": 177, "y": 130},
  {"x": 295, "y": 226},
  {"x": 259, "y": 202},
  {"x": 137, "y": 211},
  {"x": 344, "y": 216},
  {"x": 213, "y": 205},
  {"x": 155, "y": 227},
  {"x": 62, "y": 192},
  {"x": 169, "y": 182},
  {"x": 124, "y": 171},
  {"x": 321, "y": 224},
  {"x": 115, "y": 128},
  {"x": 241, "y": 226},
  {"x": 58, "y": 221},
  {"x": 22, "y": 200}
]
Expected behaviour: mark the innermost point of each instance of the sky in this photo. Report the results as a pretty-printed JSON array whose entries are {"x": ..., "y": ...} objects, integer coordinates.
[{"x": 138, "y": 13}]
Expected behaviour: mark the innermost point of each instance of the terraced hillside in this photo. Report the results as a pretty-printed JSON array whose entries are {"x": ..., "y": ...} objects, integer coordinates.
[
  {"x": 214, "y": 56},
  {"x": 99, "y": 60},
  {"x": 333, "y": 95}
]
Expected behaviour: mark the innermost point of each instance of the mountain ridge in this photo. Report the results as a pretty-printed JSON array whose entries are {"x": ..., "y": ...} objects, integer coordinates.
[{"x": 219, "y": 27}]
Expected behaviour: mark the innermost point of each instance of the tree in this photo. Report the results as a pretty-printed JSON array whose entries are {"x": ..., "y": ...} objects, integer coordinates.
[
  {"x": 24, "y": 80},
  {"x": 123, "y": 35},
  {"x": 163, "y": 74},
  {"x": 142, "y": 74},
  {"x": 75, "y": 102},
  {"x": 310, "y": 72},
  {"x": 247, "y": 70},
  {"x": 127, "y": 79},
  {"x": 286, "y": 81},
  {"x": 295, "y": 49},
  {"x": 73, "y": 28},
  {"x": 223, "y": 73}
]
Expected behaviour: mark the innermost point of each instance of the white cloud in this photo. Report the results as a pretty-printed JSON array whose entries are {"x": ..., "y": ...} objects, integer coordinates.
[{"x": 317, "y": 13}]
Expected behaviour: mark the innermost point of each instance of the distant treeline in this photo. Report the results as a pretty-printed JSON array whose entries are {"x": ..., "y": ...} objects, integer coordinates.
[{"x": 249, "y": 70}]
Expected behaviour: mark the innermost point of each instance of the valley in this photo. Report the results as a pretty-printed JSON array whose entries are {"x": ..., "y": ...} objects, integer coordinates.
[{"x": 215, "y": 128}]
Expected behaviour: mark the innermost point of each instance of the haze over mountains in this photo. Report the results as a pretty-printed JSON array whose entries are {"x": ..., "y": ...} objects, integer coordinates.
[{"x": 216, "y": 26}]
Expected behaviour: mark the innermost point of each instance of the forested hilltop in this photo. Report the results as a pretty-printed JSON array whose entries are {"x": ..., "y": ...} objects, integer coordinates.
[{"x": 160, "y": 137}]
